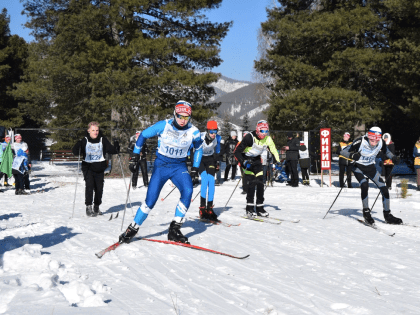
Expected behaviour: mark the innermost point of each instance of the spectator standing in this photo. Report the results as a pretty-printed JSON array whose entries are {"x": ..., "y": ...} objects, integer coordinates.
[
  {"x": 304, "y": 162},
  {"x": 416, "y": 155},
  {"x": 4, "y": 144},
  {"x": 292, "y": 157},
  {"x": 231, "y": 162},
  {"x": 16, "y": 146},
  {"x": 345, "y": 164},
  {"x": 388, "y": 164},
  {"x": 20, "y": 168},
  {"x": 142, "y": 161},
  {"x": 93, "y": 148}
]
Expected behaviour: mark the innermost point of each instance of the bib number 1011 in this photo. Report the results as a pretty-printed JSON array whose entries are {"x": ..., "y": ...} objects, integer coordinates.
[{"x": 173, "y": 151}]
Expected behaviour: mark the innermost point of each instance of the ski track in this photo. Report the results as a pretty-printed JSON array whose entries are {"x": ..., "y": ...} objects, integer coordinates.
[{"x": 317, "y": 266}]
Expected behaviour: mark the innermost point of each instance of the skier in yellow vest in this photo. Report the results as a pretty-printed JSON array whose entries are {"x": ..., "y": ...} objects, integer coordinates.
[
  {"x": 345, "y": 164},
  {"x": 248, "y": 153}
]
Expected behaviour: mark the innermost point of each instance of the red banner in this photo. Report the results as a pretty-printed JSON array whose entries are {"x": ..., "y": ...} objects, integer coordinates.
[{"x": 325, "y": 139}]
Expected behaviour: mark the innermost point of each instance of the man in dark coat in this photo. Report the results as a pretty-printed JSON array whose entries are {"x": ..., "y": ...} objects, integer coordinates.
[
  {"x": 292, "y": 158},
  {"x": 229, "y": 147},
  {"x": 92, "y": 149},
  {"x": 142, "y": 161}
]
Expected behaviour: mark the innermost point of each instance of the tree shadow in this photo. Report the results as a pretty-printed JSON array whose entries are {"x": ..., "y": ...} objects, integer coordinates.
[
  {"x": 57, "y": 236},
  {"x": 345, "y": 212},
  {"x": 220, "y": 210},
  {"x": 36, "y": 186},
  {"x": 9, "y": 216},
  {"x": 274, "y": 207},
  {"x": 120, "y": 207}
]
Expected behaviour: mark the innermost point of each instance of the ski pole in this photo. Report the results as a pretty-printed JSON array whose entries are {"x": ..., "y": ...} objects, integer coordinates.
[
  {"x": 231, "y": 196},
  {"x": 122, "y": 172},
  {"x": 77, "y": 177},
  {"x": 380, "y": 189},
  {"x": 168, "y": 194},
  {"x": 126, "y": 200},
  {"x": 335, "y": 199},
  {"x": 192, "y": 200}
]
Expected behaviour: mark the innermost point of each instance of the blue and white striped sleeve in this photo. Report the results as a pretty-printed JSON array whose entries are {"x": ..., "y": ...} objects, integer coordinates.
[{"x": 147, "y": 133}]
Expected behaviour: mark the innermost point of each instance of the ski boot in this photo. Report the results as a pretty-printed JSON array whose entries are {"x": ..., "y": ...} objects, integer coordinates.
[
  {"x": 210, "y": 213},
  {"x": 261, "y": 212},
  {"x": 175, "y": 234},
  {"x": 202, "y": 209},
  {"x": 390, "y": 219},
  {"x": 203, "y": 213},
  {"x": 96, "y": 210},
  {"x": 368, "y": 218},
  {"x": 23, "y": 192},
  {"x": 89, "y": 211},
  {"x": 129, "y": 233},
  {"x": 250, "y": 211}
]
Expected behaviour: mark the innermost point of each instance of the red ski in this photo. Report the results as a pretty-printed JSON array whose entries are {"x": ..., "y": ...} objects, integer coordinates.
[
  {"x": 193, "y": 247},
  {"x": 114, "y": 246},
  {"x": 108, "y": 249}
]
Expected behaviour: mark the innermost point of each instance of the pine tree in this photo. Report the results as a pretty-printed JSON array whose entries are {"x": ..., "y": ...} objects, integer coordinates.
[
  {"x": 226, "y": 126},
  {"x": 326, "y": 59},
  {"x": 121, "y": 58},
  {"x": 245, "y": 122},
  {"x": 13, "y": 51}
]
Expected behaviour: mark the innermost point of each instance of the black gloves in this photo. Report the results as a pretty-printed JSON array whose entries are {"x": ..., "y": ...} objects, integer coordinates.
[
  {"x": 355, "y": 156},
  {"x": 117, "y": 146},
  {"x": 133, "y": 162},
  {"x": 194, "y": 172},
  {"x": 396, "y": 159}
]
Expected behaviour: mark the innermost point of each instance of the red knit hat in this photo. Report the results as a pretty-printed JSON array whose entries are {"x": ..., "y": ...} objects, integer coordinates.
[{"x": 212, "y": 125}]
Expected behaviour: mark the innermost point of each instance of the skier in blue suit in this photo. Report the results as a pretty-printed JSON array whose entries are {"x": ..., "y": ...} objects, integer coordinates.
[
  {"x": 208, "y": 168},
  {"x": 175, "y": 138}
]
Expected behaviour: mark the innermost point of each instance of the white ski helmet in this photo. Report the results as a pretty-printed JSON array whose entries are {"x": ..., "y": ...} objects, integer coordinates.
[{"x": 375, "y": 133}]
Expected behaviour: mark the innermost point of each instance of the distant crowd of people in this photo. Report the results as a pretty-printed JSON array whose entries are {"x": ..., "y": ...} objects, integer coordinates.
[{"x": 20, "y": 162}]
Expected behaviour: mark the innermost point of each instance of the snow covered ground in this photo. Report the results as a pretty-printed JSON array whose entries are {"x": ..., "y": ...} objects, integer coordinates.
[{"x": 317, "y": 266}]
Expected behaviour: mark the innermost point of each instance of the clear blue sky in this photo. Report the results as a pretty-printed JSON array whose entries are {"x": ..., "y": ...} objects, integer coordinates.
[{"x": 238, "y": 49}]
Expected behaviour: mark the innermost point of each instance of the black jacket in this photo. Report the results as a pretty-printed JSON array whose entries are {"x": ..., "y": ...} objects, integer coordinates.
[
  {"x": 144, "y": 149},
  {"x": 294, "y": 146},
  {"x": 95, "y": 166},
  {"x": 228, "y": 149}
]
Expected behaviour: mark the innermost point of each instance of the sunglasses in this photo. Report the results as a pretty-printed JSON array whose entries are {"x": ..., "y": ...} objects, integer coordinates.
[
  {"x": 182, "y": 117},
  {"x": 264, "y": 131},
  {"x": 212, "y": 132}
]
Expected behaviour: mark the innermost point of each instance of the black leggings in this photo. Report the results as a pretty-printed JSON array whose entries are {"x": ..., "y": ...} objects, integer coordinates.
[
  {"x": 94, "y": 183},
  {"x": 227, "y": 169},
  {"x": 360, "y": 171}
]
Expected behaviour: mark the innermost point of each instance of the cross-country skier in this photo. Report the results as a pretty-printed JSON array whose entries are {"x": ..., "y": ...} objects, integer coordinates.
[
  {"x": 345, "y": 164},
  {"x": 248, "y": 153},
  {"x": 364, "y": 151},
  {"x": 208, "y": 167},
  {"x": 175, "y": 138},
  {"x": 92, "y": 148}
]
